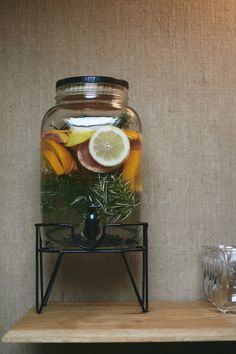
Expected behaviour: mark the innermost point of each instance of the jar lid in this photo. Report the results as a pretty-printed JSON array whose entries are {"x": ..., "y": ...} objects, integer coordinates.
[{"x": 92, "y": 79}]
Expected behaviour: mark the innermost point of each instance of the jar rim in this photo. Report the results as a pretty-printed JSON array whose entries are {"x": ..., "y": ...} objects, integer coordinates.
[{"x": 92, "y": 79}]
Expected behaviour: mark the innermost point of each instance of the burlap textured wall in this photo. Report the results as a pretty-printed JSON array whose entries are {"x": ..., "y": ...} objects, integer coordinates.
[{"x": 179, "y": 57}]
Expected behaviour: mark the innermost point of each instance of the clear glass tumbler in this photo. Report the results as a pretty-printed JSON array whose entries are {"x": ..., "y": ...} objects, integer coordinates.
[{"x": 219, "y": 279}]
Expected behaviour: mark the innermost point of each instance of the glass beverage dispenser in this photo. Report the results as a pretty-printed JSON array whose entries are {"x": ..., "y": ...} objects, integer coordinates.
[{"x": 90, "y": 163}]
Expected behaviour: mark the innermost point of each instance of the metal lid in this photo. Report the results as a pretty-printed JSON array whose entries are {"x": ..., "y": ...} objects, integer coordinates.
[{"x": 92, "y": 79}]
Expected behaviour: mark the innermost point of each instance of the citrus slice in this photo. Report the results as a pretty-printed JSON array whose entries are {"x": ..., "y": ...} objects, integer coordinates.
[
  {"x": 60, "y": 136},
  {"x": 58, "y": 157},
  {"x": 132, "y": 134},
  {"x": 76, "y": 137},
  {"x": 88, "y": 162},
  {"x": 109, "y": 146}
]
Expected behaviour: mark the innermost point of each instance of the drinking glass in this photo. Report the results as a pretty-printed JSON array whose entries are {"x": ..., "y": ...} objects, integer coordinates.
[{"x": 219, "y": 276}]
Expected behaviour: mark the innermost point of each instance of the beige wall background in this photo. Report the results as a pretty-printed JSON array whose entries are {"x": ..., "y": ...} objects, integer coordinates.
[{"x": 179, "y": 58}]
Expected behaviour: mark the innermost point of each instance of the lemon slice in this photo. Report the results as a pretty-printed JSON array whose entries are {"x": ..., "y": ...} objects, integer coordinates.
[{"x": 109, "y": 146}]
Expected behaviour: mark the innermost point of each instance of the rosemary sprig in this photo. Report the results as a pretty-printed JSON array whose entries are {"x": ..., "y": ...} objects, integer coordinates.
[
  {"x": 113, "y": 197},
  {"x": 122, "y": 121},
  {"x": 59, "y": 192},
  {"x": 73, "y": 193}
]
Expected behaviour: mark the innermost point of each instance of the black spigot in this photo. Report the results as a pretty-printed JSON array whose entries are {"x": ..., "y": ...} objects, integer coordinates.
[
  {"x": 92, "y": 234},
  {"x": 91, "y": 227}
]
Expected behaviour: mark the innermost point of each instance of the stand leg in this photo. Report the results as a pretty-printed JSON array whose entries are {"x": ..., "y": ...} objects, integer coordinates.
[
  {"x": 143, "y": 301},
  {"x": 145, "y": 266},
  {"x": 37, "y": 270},
  {"x": 52, "y": 279},
  {"x": 41, "y": 268},
  {"x": 140, "y": 300},
  {"x": 45, "y": 298}
]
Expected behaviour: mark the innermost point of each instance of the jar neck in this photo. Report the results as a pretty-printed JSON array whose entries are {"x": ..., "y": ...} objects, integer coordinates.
[{"x": 114, "y": 95}]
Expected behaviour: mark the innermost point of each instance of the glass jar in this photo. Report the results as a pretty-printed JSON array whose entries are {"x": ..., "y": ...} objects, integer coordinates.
[
  {"x": 91, "y": 162},
  {"x": 219, "y": 279}
]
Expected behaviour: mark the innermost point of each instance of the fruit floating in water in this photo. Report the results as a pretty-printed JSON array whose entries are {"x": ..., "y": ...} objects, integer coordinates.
[
  {"x": 132, "y": 134},
  {"x": 109, "y": 146},
  {"x": 59, "y": 136},
  {"x": 76, "y": 137},
  {"x": 88, "y": 162},
  {"x": 58, "y": 157},
  {"x": 131, "y": 167}
]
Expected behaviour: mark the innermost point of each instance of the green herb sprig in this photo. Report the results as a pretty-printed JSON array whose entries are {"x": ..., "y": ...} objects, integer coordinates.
[
  {"x": 113, "y": 197},
  {"x": 122, "y": 121}
]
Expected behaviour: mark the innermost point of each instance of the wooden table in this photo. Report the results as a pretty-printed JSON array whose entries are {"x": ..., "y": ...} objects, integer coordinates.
[{"x": 123, "y": 323}]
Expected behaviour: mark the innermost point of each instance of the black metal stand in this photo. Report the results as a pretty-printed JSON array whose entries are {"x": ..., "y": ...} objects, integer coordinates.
[{"x": 43, "y": 297}]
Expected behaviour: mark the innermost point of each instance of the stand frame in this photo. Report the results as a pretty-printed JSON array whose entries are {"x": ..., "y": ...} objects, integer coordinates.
[{"x": 42, "y": 297}]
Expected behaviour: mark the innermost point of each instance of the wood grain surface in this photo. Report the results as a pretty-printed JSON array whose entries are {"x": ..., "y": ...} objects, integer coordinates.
[
  {"x": 123, "y": 322},
  {"x": 179, "y": 58}
]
